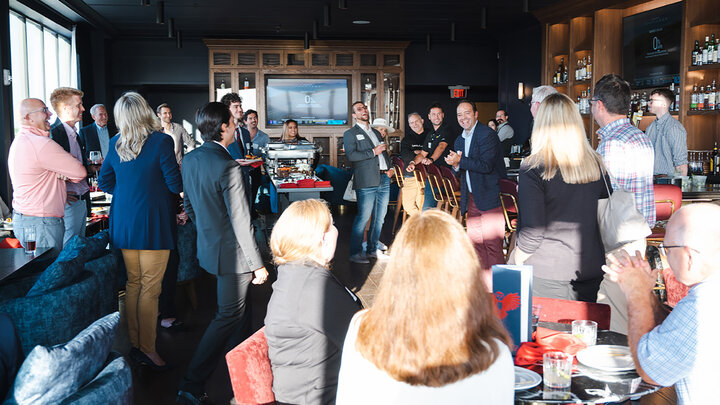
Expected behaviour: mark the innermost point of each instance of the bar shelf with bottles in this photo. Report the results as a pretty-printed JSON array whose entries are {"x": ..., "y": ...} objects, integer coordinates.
[
  {"x": 704, "y": 99},
  {"x": 705, "y": 56},
  {"x": 560, "y": 77}
]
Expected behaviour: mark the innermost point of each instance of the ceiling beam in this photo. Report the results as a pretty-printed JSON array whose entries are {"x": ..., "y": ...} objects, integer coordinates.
[{"x": 91, "y": 16}]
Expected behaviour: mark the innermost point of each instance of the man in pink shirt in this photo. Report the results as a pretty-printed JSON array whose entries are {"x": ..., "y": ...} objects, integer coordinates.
[
  {"x": 67, "y": 103},
  {"x": 38, "y": 170}
]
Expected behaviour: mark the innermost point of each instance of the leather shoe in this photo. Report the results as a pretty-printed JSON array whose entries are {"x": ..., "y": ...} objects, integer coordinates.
[
  {"x": 141, "y": 358},
  {"x": 359, "y": 258},
  {"x": 187, "y": 398}
]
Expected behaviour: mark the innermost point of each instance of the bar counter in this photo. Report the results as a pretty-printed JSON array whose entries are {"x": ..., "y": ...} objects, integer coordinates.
[{"x": 708, "y": 192}]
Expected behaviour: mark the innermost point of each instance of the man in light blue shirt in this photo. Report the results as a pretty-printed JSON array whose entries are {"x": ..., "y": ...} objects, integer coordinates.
[
  {"x": 677, "y": 348},
  {"x": 96, "y": 137}
]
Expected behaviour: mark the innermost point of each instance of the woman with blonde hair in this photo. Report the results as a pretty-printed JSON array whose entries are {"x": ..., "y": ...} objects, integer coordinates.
[
  {"x": 432, "y": 335},
  {"x": 309, "y": 310},
  {"x": 559, "y": 187},
  {"x": 291, "y": 132},
  {"x": 142, "y": 174}
]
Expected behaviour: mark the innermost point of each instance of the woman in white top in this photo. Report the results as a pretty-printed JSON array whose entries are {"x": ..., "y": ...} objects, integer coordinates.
[{"x": 431, "y": 336}]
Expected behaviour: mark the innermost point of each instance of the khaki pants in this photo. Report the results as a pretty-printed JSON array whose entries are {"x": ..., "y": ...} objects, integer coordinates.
[
  {"x": 145, "y": 269},
  {"x": 413, "y": 196}
]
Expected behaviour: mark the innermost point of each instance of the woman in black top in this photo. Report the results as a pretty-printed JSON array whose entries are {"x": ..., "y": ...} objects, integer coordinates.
[
  {"x": 291, "y": 133},
  {"x": 559, "y": 187},
  {"x": 309, "y": 310}
]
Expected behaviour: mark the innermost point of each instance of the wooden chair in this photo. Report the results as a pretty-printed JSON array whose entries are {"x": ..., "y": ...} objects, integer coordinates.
[
  {"x": 452, "y": 190},
  {"x": 565, "y": 311},
  {"x": 399, "y": 167},
  {"x": 437, "y": 185},
  {"x": 668, "y": 199},
  {"x": 250, "y": 371},
  {"x": 508, "y": 200}
]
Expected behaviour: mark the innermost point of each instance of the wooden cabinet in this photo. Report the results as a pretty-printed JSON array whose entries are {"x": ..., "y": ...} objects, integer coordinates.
[
  {"x": 575, "y": 29},
  {"x": 375, "y": 69}
]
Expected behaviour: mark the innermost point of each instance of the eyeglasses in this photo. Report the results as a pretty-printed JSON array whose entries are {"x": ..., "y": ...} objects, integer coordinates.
[
  {"x": 664, "y": 248},
  {"x": 44, "y": 109}
]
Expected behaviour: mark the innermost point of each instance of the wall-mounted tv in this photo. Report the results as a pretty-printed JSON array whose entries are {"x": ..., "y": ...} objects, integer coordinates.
[
  {"x": 651, "y": 47},
  {"x": 309, "y": 100}
]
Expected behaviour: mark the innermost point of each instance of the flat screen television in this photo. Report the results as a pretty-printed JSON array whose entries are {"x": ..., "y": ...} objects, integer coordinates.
[
  {"x": 651, "y": 47},
  {"x": 309, "y": 100}
]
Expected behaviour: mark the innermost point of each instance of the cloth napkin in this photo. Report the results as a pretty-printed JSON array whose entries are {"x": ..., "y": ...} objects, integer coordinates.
[
  {"x": 325, "y": 183},
  {"x": 546, "y": 340},
  {"x": 306, "y": 183},
  {"x": 288, "y": 185},
  {"x": 256, "y": 164}
]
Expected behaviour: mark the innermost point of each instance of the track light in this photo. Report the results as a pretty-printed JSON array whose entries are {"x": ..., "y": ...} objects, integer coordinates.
[
  {"x": 326, "y": 16},
  {"x": 178, "y": 37},
  {"x": 160, "y": 18},
  {"x": 315, "y": 30},
  {"x": 306, "y": 43},
  {"x": 483, "y": 18},
  {"x": 144, "y": 2},
  {"x": 452, "y": 32},
  {"x": 342, "y": 4},
  {"x": 526, "y": 6},
  {"x": 171, "y": 27}
]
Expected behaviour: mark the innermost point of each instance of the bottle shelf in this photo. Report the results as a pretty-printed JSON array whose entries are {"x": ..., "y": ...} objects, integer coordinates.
[
  {"x": 703, "y": 112},
  {"x": 713, "y": 66},
  {"x": 586, "y": 81},
  {"x": 560, "y": 84},
  {"x": 649, "y": 114}
]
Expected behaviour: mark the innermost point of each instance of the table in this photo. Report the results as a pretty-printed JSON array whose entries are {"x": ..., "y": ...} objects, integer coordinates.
[
  {"x": 708, "y": 192},
  {"x": 13, "y": 260},
  {"x": 590, "y": 386},
  {"x": 280, "y": 198}
]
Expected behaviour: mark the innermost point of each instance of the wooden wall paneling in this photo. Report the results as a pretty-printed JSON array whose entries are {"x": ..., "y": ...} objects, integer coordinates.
[
  {"x": 647, "y": 6},
  {"x": 607, "y": 43}
]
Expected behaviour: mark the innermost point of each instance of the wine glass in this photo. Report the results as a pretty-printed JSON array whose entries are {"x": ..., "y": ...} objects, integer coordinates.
[{"x": 95, "y": 157}]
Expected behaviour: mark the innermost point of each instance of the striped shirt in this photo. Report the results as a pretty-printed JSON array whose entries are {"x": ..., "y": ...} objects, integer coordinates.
[
  {"x": 629, "y": 157},
  {"x": 669, "y": 140}
]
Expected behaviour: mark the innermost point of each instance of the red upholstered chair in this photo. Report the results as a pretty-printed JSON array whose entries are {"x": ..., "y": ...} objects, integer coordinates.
[
  {"x": 250, "y": 371},
  {"x": 668, "y": 199},
  {"x": 564, "y": 311}
]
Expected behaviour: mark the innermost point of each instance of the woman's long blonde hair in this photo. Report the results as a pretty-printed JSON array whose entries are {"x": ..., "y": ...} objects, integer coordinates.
[
  {"x": 298, "y": 233},
  {"x": 285, "y": 136},
  {"x": 433, "y": 321},
  {"x": 135, "y": 121},
  {"x": 559, "y": 142}
]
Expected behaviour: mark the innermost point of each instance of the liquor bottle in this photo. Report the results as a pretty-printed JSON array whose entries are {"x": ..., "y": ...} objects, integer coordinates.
[
  {"x": 584, "y": 69},
  {"x": 714, "y": 42},
  {"x": 711, "y": 49},
  {"x": 677, "y": 98},
  {"x": 715, "y": 160},
  {"x": 222, "y": 84},
  {"x": 706, "y": 98},
  {"x": 589, "y": 68},
  {"x": 700, "y": 98},
  {"x": 577, "y": 70},
  {"x": 246, "y": 83},
  {"x": 643, "y": 102},
  {"x": 705, "y": 51},
  {"x": 712, "y": 100},
  {"x": 672, "y": 89},
  {"x": 696, "y": 52},
  {"x": 693, "y": 98},
  {"x": 563, "y": 71}
]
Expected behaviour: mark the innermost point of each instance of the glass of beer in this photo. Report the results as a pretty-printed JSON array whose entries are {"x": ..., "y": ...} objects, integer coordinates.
[{"x": 29, "y": 236}]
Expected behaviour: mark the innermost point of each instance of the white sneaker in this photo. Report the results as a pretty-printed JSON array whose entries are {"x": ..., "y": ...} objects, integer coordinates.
[
  {"x": 359, "y": 258},
  {"x": 378, "y": 254},
  {"x": 379, "y": 245}
]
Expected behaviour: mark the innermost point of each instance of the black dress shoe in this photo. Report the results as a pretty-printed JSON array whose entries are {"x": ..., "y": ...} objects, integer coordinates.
[
  {"x": 141, "y": 358},
  {"x": 187, "y": 398}
]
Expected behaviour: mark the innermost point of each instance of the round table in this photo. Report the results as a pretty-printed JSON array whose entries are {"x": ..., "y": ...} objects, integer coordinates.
[{"x": 589, "y": 385}]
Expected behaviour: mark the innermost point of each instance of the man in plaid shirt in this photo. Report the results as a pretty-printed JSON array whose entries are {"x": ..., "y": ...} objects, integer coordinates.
[{"x": 628, "y": 154}]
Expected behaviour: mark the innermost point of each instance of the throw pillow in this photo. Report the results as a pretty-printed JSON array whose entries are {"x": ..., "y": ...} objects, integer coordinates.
[
  {"x": 58, "y": 275},
  {"x": 50, "y": 374}
]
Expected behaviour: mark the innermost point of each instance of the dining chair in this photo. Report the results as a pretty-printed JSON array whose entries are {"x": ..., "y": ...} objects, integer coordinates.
[
  {"x": 399, "y": 167},
  {"x": 566, "y": 311},
  {"x": 452, "y": 190},
  {"x": 668, "y": 199},
  {"x": 508, "y": 200},
  {"x": 437, "y": 185},
  {"x": 250, "y": 370}
]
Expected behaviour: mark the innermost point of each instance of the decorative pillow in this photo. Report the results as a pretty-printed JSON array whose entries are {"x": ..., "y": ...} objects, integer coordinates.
[
  {"x": 113, "y": 386},
  {"x": 250, "y": 370},
  {"x": 50, "y": 374},
  {"x": 85, "y": 249},
  {"x": 58, "y": 275}
]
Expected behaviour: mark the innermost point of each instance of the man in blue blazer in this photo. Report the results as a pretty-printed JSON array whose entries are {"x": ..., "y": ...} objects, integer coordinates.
[
  {"x": 96, "y": 136},
  {"x": 242, "y": 144},
  {"x": 215, "y": 201},
  {"x": 366, "y": 150},
  {"x": 479, "y": 159}
]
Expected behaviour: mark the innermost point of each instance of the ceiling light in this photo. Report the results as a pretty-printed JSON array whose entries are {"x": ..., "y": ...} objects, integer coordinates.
[
  {"x": 326, "y": 15},
  {"x": 171, "y": 27},
  {"x": 160, "y": 18},
  {"x": 361, "y": 22},
  {"x": 342, "y": 4}
]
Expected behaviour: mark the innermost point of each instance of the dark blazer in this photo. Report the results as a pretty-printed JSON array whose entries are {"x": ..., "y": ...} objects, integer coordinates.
[
  {"x": 214, "y": 200},
  {"x": 486, "y": 166},
  {"x": 307, "y": 318},
  {"x": 58, "y": 134},
  {"x": 143, "y": 208},
  {"x": 359, "y": 151},
  {"x": 89, "y": 136},
  {"x": 238, "y": 151}
]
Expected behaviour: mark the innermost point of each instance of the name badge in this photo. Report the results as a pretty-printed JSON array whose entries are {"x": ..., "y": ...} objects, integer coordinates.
[
  {"x": 360, "y": 137},
  {"x": 429, "y": 144}
]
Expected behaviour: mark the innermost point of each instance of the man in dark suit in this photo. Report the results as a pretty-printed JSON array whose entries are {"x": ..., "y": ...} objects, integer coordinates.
[
  {"x": 478, "y": 157},
  {"x": 242, "y": 144},
  {"x": 365, "y": 149},
  {"x": 67, "y": 103},
  {"x": 214, "y": 191},
  {"x": 96, "y": 136}
]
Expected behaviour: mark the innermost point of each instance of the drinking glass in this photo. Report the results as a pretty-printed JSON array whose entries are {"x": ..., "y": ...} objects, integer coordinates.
[
  {"x": 29, "y": 236},
  {"x": 557, "y": 369},
  {"x": 95, "y": 157},
  {"x": 535, "y": 316},
  {"x": 585, "y": 331}
]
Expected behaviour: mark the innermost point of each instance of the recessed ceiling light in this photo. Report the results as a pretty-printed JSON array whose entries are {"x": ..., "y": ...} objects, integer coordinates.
[{"x": 361, "y": 22}]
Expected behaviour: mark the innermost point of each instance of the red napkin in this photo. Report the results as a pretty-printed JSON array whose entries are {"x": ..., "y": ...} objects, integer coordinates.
[
  {"x": 10, "y": 243},
  {"x": 288, "y": 185},
  {"x": 256, "y": 164},
  {"x": 546, "y": 340},
  {"x": 322, "y": 183},
  {"x": 306, "y": 183}
]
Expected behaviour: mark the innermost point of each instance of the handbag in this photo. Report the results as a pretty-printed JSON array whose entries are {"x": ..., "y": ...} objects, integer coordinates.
[
  {"x": 349, "y": 191},
  {"x": 619, "y": 220}
]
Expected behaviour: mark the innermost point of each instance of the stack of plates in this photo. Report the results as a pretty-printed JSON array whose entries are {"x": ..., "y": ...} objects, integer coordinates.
[
  {"x": 608, "y": 358},
  {"x": 526, "y": 379}
]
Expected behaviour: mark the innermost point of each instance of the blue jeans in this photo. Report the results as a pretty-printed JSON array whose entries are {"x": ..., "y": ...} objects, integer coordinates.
[
  {"x": 429, "y": 199},
  {"x": 75, "y": 219},
  {"x": 48, "y": 231},
  {"x": 371, "y": 201}
]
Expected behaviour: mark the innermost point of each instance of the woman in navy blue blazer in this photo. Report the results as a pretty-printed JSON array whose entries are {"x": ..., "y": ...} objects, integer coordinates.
[{"x": 142, "y": 174}]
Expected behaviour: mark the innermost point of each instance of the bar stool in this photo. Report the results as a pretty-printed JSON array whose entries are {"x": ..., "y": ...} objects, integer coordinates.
[
  {"x": 668, "y": 199},
  {"x": 508, "y": 200}
]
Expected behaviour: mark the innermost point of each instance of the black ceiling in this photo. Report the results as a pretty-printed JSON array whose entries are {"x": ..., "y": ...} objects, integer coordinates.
[{"x": 389, "y": 19}]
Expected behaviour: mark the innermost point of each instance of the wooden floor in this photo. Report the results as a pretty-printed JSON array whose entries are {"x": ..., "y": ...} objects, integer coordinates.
[{"x": 177, "y": 348}]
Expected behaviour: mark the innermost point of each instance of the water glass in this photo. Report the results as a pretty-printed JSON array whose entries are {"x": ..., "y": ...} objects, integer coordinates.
[
  {"x": 585, "y": 331},
  {"x": 95, "y": 157},
  {"x": 557, "y": 369},
  {"x": 29, "y": 237}
]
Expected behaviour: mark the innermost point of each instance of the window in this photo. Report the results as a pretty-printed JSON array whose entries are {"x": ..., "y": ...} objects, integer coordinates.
[{"x": 42, "y": 60}]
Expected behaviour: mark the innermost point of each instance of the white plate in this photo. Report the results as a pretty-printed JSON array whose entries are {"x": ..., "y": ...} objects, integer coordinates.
[
  {"x": 610, "y": 358},
  {"x": 525, "y": 379}
]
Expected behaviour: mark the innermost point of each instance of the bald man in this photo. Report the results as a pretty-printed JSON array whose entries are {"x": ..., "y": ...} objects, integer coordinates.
[
  {"x": 677, "y": 348},
  {"x": 38, "y": 169}
]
